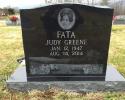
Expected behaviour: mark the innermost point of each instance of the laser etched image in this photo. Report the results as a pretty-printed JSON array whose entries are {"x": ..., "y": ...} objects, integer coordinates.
[{"x": 66, "y": 18}]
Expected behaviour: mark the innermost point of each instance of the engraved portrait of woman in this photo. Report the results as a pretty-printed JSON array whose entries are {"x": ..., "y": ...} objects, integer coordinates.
[{"x": 66, "y": 18}]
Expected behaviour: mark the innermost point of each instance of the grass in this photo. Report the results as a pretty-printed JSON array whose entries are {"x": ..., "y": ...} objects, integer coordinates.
[
  {"x": 11, "y": 48},
  {"x": 117, "y": 48}
]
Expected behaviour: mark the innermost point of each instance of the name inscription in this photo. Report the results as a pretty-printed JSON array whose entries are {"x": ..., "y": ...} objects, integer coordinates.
[{"x": 66, "y": 44}]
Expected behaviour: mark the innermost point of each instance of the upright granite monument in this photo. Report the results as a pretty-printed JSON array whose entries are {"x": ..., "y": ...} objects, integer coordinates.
[{"x": 66, "y": 42}]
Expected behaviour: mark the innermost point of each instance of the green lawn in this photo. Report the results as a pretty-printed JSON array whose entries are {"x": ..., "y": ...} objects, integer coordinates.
[
  {"x": 11, "y": 49},
  {"x": 117, "y": 48}
]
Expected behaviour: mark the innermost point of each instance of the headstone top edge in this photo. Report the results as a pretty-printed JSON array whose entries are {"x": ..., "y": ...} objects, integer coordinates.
[{"x": 45, "y": 5}]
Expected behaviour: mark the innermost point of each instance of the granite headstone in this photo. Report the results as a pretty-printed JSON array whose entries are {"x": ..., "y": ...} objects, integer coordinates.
[{"x": 66, "y": 42}]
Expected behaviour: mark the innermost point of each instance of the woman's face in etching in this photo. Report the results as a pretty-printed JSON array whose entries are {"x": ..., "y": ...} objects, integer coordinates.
[
  {"x": 66, "y": 18},
  {"x": 65, "y": 21}
]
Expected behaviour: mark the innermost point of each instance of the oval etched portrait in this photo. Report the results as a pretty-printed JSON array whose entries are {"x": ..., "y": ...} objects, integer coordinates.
[{"x": 66, "y": 18}]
